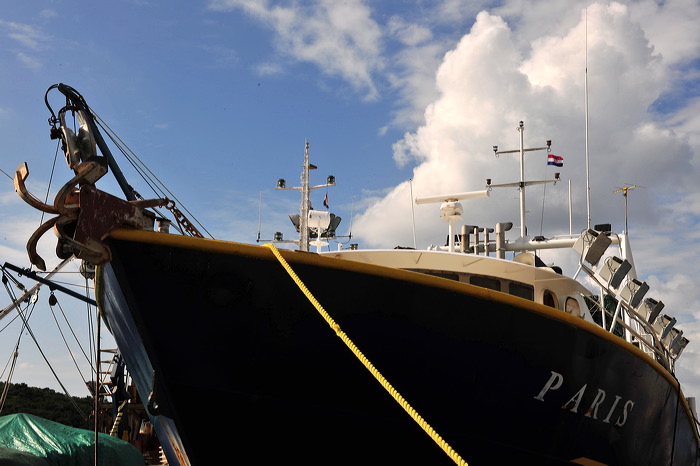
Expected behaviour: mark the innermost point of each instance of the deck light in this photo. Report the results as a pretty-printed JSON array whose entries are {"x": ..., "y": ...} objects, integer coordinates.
[
  {"x": 653, "y": 308},
  {"x": 330, "y": 180},
  {"x": 281, "y": 183},
  {"x": 614, "y": 270},
  {"x": 667, "y": 324},
  {"x": 678, "y": 344},
  {"x": 592, "y": 245},
  {"x": 634, "y": 291},
  {"x": 278, "y": 236}
]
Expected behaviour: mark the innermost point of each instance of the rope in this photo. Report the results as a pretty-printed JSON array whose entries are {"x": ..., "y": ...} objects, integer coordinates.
[
  {"x": 361, "y": 357},
  {"x": 150, "y": 178},
  {"x": 25, "y": 325},
  {"x": 54, "y": 302}
]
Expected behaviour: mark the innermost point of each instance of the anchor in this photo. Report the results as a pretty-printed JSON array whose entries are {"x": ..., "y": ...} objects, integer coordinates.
[{"x": 85, "y": 215}]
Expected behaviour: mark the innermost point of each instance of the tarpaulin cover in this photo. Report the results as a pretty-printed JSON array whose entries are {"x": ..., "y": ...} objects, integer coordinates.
[
  {"x": 19, "y": 458},
  {"x": 60, "y": 445}
]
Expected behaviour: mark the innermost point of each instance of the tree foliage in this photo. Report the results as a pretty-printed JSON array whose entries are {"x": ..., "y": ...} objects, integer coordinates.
[{"x": 48, "y": 404}]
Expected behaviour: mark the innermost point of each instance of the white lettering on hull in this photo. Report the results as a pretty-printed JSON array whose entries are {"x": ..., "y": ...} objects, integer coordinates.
[{"x": 556, "y": 380}]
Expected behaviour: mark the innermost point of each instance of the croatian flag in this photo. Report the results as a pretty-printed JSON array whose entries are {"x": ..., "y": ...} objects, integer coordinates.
[{"x": 555, "y": 160}]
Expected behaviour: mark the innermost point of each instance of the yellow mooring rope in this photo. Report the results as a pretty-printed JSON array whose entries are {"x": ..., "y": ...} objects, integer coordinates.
[{"x": 377, "y": 375}]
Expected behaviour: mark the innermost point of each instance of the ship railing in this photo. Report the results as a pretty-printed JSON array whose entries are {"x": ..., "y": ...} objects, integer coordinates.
[
  {"x": 645, "y": 339},
  {"x": 636, "y": 315}
]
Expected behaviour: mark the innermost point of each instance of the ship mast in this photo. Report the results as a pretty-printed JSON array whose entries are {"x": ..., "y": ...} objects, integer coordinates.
[
  {"x": 305, "y": 201},
  {"x": 305, "y": 189},
  {"x": 522, "y": 183}
]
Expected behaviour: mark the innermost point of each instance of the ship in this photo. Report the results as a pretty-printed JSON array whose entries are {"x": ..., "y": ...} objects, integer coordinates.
[{"x": 455, "y": 354}]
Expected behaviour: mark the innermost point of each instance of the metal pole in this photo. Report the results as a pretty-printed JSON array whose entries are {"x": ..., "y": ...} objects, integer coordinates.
[
  {"x": 571, "y": 228},
  {"x": 52, "y": 286},
  {"x": 304, "y": 211},
  {"x": 588, "y": 187},
  {"x": 413, "y": 216},
  {"x": 33, "y": 289},
  {"x": 97, "y": 388},
  {"x": 523, "y": 228}
]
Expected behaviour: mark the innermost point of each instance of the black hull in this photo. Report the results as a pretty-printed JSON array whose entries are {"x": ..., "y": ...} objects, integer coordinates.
[{"x": 246, "y": 369}]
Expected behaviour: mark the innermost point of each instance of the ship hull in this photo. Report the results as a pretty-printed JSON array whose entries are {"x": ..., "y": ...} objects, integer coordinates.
[{"x": 239, "y": 364}]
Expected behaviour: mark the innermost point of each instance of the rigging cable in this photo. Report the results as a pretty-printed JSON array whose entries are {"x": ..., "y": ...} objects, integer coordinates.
[
  {"x": 25, "y": 322},
  {"x": 146, "y": 174},
  {"x": 15, "y": 353},
  {"x": 48, "y": 188},
  {"x": 53, "y": 301}
]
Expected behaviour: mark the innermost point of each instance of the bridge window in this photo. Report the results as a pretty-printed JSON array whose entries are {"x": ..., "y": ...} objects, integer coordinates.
[
  {"x": 549, "y": 299},
  {"x": 521, "y": 290},
  {"x": 485, "y": 282}
]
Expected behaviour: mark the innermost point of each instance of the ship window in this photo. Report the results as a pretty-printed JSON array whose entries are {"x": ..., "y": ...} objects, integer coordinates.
[
  {"x": 486, "y": 282},
  {"x": 521, "y": 290},
  {"x": 549, "y": 299},
  {"x": 448, "y": 275},
  {"x": 573, "y": 307}
]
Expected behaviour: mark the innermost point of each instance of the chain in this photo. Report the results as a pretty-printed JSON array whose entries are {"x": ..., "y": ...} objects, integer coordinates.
[{"x": 182, "y": 221}]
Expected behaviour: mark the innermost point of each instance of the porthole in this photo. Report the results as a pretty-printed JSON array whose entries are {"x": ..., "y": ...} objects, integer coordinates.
[{"x": 573, "y": 307}]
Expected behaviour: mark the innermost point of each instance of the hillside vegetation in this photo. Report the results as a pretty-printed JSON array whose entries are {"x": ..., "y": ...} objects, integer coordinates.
[{"x": 48, "y": 404}]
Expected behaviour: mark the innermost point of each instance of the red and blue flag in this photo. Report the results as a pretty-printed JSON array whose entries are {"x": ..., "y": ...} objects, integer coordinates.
[{"x": 555, "y": 160}]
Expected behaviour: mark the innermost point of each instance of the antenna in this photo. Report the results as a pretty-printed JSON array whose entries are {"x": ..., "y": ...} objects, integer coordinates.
[
  {"x": 624, "y": 194},
  {"x": 588, "y": 186}
]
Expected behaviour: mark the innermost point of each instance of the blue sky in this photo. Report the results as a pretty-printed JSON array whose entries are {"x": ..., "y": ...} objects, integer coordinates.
[{"x": 219, "y": 97}]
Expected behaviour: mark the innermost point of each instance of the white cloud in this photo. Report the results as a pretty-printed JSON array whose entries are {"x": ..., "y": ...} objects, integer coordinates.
[
  {"x": 489, "y": 82},
  {"x": 339, "y": 37},
  {"x": 29, "y": 61},
  {"x": 409, "y": 34},
  {"x": 48, "y": 14},
  {"x": 30, "y": 40},
  {"x": 671, "y": 26},
  {"x": 26, "y": 35}
]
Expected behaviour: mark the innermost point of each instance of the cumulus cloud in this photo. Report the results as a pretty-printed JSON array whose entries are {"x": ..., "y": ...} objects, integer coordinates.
[{"x": 489, "y": 82}]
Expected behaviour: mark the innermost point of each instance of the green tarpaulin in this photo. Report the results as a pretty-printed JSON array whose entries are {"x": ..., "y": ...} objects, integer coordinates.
[
  {"x": 53, "y": 444},
  {"x": 19, "y": 458}
]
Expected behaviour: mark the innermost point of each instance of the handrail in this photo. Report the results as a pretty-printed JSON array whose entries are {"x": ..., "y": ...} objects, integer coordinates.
[{"x": 657, "y": 347}]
